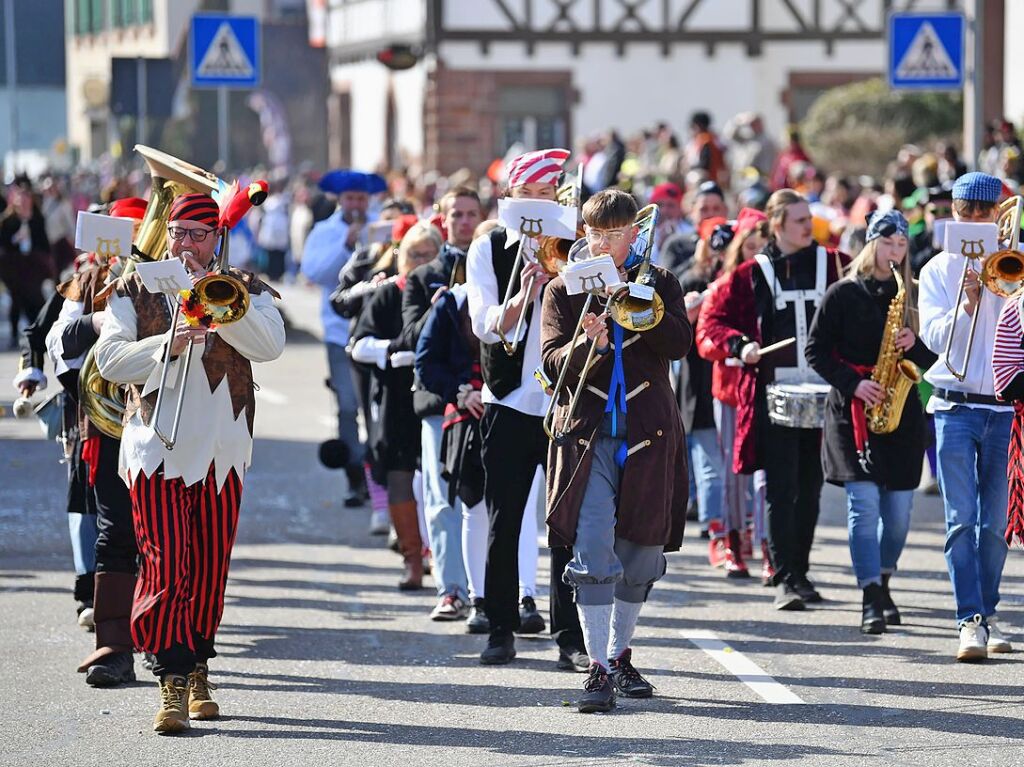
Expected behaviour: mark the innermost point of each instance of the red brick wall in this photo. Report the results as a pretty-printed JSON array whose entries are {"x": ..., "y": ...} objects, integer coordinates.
[{"x": 460, "y": 114}]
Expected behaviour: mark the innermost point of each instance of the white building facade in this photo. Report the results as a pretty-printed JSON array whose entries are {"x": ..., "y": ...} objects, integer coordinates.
[{"x": 552, "y": 71}]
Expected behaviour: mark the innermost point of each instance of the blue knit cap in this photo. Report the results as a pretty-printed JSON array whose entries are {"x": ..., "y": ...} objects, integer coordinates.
[
  {"x": 977, "y": 187},
  {"x": 886, "y": 224}
]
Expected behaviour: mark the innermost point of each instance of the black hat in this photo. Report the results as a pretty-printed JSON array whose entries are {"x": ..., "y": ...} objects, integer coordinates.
[{"x": 334, "y": 454}]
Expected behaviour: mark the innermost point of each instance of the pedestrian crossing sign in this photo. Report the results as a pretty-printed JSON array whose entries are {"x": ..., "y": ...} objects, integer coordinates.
[
  {"x": 926, "y": 51},
  {"x": 225, "y": 51}
]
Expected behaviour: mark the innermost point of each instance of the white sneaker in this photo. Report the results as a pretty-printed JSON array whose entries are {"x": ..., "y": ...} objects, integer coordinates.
[
  {"x": 973, "y": 641},
  {"x": 86, "y": 619},
  {"x": 380, "y": 522},
  {"x": 997, "y": 641}
]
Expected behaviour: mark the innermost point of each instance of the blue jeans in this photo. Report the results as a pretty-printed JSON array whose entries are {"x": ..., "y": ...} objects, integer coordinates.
[
  {"x": 444, "y": 522},
  {"x": 971, "y": 448},
  {"x": 708, "y": 473},
  {"x": 83, "y": 542},
  {"x": 345, "y": 392},
  {"x": 878, "y": 521}
]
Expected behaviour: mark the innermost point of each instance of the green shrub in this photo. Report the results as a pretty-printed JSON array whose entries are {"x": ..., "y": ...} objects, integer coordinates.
[{"x": 859, "y": 128}]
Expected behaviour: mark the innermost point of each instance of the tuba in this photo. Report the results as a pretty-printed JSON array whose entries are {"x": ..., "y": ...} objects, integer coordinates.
[
  {"x": 101, "y": 400},
  {"x": 636, "y": 306},
  {"x": 892, "y": 372}
]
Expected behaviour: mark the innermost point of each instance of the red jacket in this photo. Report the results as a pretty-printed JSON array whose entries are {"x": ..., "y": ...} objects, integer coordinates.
[{"x": 724, "y": 378}]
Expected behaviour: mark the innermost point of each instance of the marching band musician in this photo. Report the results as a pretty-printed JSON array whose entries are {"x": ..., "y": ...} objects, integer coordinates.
[
  {"x": 461, "y": 211},
  {"x": 617, "y": 486},
  {"x": 185, "y": 502},
  {"x": 878, "y": 471},
  {"x": 768, "y": 299},
  {"x": 81, "y": 516},
  {"x": 514, "y": 443},
  {"x": 76, "y": 331},
  {"x": 972, "y": 428},
  {"x": 394, "y": 441}
]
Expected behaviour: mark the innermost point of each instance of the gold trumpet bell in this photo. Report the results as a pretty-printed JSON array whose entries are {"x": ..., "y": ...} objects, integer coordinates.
[
  {"x": 216, "y": 299},
  {"x": 637, "y": 314},
  {"x": 1003, "y": 272}
]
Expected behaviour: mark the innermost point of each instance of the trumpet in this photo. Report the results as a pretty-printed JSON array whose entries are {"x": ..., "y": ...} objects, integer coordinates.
[
  {"x": 635, "y": 306},
  {"x": 1002, "y": 273}
]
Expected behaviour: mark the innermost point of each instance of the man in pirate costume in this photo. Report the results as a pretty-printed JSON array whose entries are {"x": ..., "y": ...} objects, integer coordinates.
[
  {"x": 185, "y": 501},
  {"x": 514, "y": 443},
  {"x": 74, "y": 333},
  {"x": 617, "y": 482}
]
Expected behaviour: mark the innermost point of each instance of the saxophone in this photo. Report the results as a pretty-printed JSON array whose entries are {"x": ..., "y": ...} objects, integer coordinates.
[{"x": 893, "y": 373}]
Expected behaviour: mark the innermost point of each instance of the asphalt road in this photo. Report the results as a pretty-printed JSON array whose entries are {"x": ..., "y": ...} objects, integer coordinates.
[{"x": 322, "y": 661}]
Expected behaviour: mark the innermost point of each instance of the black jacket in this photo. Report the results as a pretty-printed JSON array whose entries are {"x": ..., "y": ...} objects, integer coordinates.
[
  {"x": 847, "y": 330},
  {"x": 394, "y": 439},
  {"x": 423, "y": 282},
  {"x": 694, "y": 390}
]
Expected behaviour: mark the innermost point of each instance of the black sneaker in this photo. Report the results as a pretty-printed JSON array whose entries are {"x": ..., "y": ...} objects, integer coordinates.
[
  {"x": 501, "y": 649},
  {"x": 530, "y": 621},
  {"x": 806, "y": 590},
  {"x": 786, "y": 598},
  {"x": 148, "y": 661},
  {"x": 598, "y": 692},
  {"x": 111, "y": 670},
  {"x": 573, "y": 659},
  {"x": 627, "y": 679},
  {"x": 477, "y": 622}
]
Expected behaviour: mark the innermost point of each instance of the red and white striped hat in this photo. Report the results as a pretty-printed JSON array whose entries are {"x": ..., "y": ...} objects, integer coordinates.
[{"x": 541, "y": 167}]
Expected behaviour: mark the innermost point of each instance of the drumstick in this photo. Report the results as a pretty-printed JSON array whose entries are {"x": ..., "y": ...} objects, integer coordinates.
[{"x": 776, "y": 346}]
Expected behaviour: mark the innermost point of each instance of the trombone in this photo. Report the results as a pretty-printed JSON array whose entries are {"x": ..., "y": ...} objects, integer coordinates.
[
  {"x": 635, "y": 307},
  {"x": 1001, "y": 273},
  {"x": 216, "y": 299},
  {"x": 550, "y": 254}
]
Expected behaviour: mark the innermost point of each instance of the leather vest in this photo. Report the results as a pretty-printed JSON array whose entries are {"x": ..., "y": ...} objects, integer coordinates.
[{"x": 153, "y": 317}]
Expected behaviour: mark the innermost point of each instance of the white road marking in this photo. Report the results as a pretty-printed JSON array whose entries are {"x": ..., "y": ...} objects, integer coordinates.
[
  {"x": 744, "y": 669},
  {"x": 271, "y": 397}
]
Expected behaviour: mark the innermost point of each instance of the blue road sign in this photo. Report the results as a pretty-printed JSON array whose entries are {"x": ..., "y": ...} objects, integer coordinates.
[
  {"x": 225, "y": 51},
  {"x": 926, "y": 51}
]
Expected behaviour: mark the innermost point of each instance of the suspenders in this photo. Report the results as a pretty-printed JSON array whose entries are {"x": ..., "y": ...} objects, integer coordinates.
[{"x": 802, "y": 372}]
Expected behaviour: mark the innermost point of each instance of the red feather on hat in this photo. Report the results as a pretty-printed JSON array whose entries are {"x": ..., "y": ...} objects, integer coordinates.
[{"x": 235, "y": 203}]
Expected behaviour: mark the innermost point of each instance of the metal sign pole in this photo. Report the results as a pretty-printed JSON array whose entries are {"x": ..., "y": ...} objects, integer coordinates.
[
  {"x": 142, "y": 95},
  {"x": 974, "y": 114},
  {"x": 222, "y": 126}
]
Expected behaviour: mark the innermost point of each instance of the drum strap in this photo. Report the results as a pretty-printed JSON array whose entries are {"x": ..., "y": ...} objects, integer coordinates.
[{"x": 797, "y": 298}]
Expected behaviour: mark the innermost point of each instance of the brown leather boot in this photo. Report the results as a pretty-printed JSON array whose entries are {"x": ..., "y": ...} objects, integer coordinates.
[
  {"x": 112, "y": 614},
  {"x": 407, "y": 527},
  {"x": 173, "y": 714}
]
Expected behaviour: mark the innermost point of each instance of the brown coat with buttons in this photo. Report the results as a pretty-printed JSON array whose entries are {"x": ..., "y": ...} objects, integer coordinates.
[{"x": 651, "y": 508}]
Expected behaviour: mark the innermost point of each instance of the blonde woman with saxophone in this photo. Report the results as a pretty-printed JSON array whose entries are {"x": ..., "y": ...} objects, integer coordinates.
[{"x": 860, "y": 341}]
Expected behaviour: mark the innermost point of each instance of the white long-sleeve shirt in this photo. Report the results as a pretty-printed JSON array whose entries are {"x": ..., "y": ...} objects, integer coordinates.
[
  {"x": 209, "y": 432},
  {"x": 69, "y": 312},
  {"x": 484, "y": 308},
  {"x": 940, "y": 280}
]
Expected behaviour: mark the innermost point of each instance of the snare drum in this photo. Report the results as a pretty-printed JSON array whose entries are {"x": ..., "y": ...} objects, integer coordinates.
[{"x": 797, "y": 405}]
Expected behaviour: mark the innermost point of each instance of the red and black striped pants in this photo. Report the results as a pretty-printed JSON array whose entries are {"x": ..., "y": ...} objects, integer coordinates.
[{"x": 185, "y": 535}]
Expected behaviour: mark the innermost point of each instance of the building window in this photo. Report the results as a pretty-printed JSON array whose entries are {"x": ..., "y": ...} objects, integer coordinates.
[
  {"x": 534, "y": 116},
  {"x": 146, "y": 12},
  {"x": 91, "y": 16},
  {"x": 97, "y": 16}
]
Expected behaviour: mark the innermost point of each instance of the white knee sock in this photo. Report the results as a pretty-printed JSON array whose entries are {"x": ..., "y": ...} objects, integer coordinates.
[
  {"x": 475, "y": 527},
  {"x": 528, "y": 548},
  {"x": 596, "y": 621},
  {"x": 624, "y": 618}
]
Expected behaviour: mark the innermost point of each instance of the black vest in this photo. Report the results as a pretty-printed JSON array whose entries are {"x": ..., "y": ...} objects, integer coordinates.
[{"x": 503, "y": 374}]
